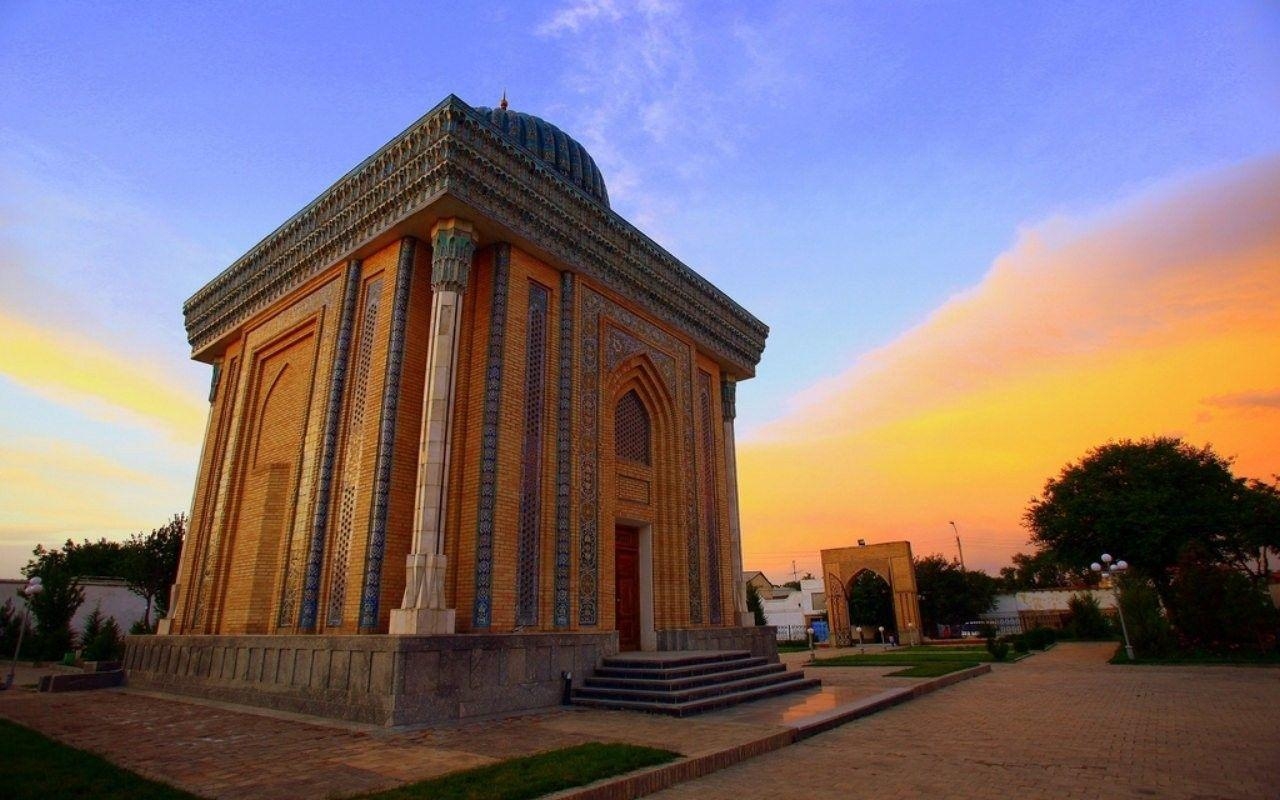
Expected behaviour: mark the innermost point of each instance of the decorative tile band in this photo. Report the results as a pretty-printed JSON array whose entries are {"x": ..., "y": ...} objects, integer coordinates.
[
  {"x": 482, "y": 609},
  {"x": 387, "y": 438},
  {"x": 333, "y": 420},
  {"x": 340, "y": 561},
  {"x": 535, "y": 391},
  {"x": 564, "y": 453},
  {"x": 708, "y": 457}
]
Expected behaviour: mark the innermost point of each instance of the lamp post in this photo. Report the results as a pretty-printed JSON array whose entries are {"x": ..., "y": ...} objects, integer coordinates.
[
  {"x": 858, "y": 628},
  {"x": 1109, "y": 570},
  {"x": 809, "y": 631},
  {"x": 882, "y": 635},
  {"x": 33, "y": 588}
]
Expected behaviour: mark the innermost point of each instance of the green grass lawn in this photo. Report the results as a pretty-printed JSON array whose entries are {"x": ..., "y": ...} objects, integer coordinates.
[
  {"x": 34, "y": 767},
  {"x": 38, "y": 768},
  {"x": 1271, "y": 659},
  {"x": 909, "y": 657},
  {"x": 532, "y": 776},
  {"x": 933, "y": 669}
]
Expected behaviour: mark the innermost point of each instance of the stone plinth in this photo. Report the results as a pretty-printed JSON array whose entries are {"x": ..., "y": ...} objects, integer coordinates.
[
  {"x": 376, "y": 679},
  {"x": 761, "y": 640}
]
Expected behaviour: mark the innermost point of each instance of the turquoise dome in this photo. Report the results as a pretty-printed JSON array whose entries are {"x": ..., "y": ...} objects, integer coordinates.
[{"x": 552, "y": 146}]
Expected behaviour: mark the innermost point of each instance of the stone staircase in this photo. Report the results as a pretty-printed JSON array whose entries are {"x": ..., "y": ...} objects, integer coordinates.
[{"x": 684, "y": 683}]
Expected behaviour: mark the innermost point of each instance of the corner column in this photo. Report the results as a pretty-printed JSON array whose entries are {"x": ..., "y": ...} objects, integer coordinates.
[
  {"x": 728, "y": 402},
  {"x": 423, "y": 610}
]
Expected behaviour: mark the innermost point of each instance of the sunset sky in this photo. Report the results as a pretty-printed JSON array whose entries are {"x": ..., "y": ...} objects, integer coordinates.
[{"x": 986, "y": 236}]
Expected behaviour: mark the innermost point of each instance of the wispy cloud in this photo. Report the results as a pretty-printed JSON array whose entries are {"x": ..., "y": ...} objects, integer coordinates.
[
  {"x": 1116, "y": 326},
  {"x": 71, "y": 369}
]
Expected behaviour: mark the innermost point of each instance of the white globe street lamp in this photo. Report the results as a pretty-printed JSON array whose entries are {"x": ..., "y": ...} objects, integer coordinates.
[
  {"x": 34, "y": 587},
  {"x": 1109, "y": 570},
  {"x": 881, "y": 634}
]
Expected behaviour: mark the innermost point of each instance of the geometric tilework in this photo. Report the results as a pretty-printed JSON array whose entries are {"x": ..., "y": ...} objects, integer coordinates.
[
  {"x": 369, "y": 599},
  {"x": 535, "y": 391},
  {"x": 482, "y": 609},
  {"x": 707, "y": 457},
  {"x": 564, "y": 454},
  {"x": 349, "y": 492},
  {"x": 329, "y": 445}
]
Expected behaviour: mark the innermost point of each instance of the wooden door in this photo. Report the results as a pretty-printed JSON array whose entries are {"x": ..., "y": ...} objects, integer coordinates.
[{"x": 626, "y": 562}]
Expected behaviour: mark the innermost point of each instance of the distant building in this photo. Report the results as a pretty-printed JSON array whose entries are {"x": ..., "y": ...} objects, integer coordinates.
[
  {"x": 795, "y": 609},
  {"x": 764, "y": 586}
]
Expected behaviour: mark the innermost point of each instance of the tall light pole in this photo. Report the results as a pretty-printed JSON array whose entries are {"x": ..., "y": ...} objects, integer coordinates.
[
  {"x": 1110, "y": 570},
  {"x": 958, "y": 547},
  {"x": 33, "y": 588}
]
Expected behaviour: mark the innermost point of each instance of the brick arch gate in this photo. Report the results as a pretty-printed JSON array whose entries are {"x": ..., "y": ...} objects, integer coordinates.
[{"x": 891, "y": 561}]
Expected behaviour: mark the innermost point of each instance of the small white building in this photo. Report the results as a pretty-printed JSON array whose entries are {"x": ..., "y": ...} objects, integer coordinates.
[{"x": 792, "y": 611}]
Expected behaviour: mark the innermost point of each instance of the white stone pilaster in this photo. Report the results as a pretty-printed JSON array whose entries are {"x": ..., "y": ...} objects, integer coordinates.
[{"x": 423, "y": 609}]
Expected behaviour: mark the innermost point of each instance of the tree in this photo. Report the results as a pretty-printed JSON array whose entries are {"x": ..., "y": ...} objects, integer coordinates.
[
  {"x": 1145, "y": 501},
  {"x": 949, "y": 594},
  {"x": 754, "y": 605},
  {"x": 151, "y": 563},
  {"x": 1031, "y": 571},
  {"x": 56, "y": 604},
  {"x": 871, "y": 601}
]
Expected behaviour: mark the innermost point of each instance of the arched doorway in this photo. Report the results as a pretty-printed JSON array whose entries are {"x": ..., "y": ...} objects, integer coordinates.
[{"x": 870, "y": 604}]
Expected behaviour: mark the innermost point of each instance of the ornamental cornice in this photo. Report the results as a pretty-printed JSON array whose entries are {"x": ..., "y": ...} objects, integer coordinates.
[{"x": 452, "y": 150}]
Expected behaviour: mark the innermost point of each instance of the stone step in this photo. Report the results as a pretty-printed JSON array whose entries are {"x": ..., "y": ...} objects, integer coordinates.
[
  {"x": 673, "y": 659},
  {"x": 644, "y": 679},
  {"x": 705, "y": 704},
  {"x": 690, "y": 694},
  {"x": 661, "y": 671}
]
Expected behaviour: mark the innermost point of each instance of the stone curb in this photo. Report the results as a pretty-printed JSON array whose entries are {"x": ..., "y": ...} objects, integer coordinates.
[{"x": 655, "y": 779}]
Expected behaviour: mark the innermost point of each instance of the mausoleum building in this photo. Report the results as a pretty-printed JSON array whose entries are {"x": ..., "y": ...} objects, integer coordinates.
[{"x": 455, "y": 396}]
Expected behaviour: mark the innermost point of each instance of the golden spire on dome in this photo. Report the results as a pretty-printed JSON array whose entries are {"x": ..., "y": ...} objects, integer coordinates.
[{"x": 503, "y": 103}]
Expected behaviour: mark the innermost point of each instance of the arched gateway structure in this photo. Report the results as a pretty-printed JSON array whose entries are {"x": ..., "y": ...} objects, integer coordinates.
[
  {"x": 469, "y": 430},
  {"x": 892, "y": 561}
]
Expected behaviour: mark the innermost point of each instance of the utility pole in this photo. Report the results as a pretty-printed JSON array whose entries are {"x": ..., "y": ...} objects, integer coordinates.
[
  {"x": 794, "y": 572},
  {"x": 958, "y": 547}
]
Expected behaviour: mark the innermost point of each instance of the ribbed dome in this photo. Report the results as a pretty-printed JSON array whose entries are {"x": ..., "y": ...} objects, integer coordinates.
[{"x": 553, "y": 146}]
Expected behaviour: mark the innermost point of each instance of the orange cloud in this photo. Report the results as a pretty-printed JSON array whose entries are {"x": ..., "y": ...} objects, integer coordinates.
[
  {"x": 1156, "y": 318},
  {"x": 76, "y": 371}
]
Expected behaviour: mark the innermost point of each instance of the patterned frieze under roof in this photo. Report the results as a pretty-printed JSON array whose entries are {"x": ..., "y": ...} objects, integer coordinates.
[{"x": 454, "y": 151}]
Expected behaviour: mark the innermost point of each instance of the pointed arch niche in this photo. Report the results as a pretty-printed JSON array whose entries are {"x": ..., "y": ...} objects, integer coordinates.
[{"x": 641, "y": 495}]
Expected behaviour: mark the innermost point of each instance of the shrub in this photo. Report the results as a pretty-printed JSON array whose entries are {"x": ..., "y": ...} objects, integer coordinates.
[
  {"x": 1219, "y": 608},
  {"x": 998, "y": 650},
  {"x": 1040, "y": 637},
  {"x": 1087, "y": 621},
  {"x": 1020, "y": 643},
  {"x": 1149, "y": 631},
  {"x": 106, "y": 644},
  {"x": 140, "y": 628}
]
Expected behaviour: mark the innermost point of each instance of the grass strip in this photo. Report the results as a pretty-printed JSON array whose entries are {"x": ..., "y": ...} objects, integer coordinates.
[
  {"x": 933, "y": 669},
  {"x": 39, "y": 768},
  {"x": 533, "y": 776},
  {"x": 905, "y": 659},
  {"x": 1268, "y": 659}
]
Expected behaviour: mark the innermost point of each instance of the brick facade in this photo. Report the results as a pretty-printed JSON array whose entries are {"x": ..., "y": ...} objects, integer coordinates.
[{"x": 294, "y": 493}]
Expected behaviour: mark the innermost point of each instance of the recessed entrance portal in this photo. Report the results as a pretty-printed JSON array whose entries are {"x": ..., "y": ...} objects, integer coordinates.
[{"x": 627, "y": 580}]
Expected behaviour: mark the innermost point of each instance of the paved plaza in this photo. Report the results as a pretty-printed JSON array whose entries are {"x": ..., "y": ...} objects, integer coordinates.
[
  {"x": 1062, "y": 724},
  {"x": 1059, "y": 725}
]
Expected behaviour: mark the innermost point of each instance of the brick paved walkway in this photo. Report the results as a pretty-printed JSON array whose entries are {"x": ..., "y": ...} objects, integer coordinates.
[{"x": 1059, "y": 725}]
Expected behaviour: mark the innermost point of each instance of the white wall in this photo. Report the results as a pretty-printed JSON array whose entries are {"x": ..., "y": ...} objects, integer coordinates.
[
  {"x": 113, "y": 597},
  {"x": 796, "y": 607}
]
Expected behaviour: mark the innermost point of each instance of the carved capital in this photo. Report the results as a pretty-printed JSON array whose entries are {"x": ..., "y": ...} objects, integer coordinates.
[
  {"x": 728, "y": 397},
  {"x": 453, "y": 243}
]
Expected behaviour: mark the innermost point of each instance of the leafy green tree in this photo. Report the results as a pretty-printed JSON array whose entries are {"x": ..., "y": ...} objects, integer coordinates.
[
  {"x": 56, "y": 604},
  {"x": 871, "y": 602},
  {"x": 950, "y": 595},
  {"x": 1145, "y": 501},
  {"x": 1031, "y": 571},
  {"x": 754, "y": 605},
  {"x": 1215, "y": 607},
  {"x": 151, "y": 564}
]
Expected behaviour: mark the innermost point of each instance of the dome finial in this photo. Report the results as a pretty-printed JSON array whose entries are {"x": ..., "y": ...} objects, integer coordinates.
[{"x": 503, "y": 103}]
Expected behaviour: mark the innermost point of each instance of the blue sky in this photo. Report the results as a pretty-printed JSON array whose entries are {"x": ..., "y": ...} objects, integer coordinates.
[{"x": 841, "y": 169}]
